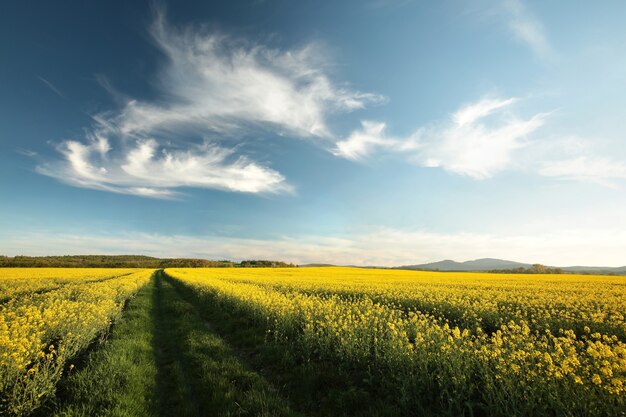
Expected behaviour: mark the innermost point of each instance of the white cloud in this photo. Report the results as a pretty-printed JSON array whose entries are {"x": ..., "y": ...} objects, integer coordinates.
[
  {"x": 377, "y": 246},
  {"x": 478, "y": 141},
  {"x": 527, "y": 28},
  {"x": 475, "y": 111},
  {"x": 586, "y": 169},
  {"x": 148, "y": 170},
  {"x": 362, "y": 142},
  {"x": 472, "y": 147},
  {"x": 216, "y": 82},
  {"x": 212, "y": 86}
]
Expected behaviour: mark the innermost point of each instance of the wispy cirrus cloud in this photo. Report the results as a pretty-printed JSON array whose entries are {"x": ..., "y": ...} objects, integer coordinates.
[
  {"x": 470, "y": 113},
  {"x": 366, "y": 140},
  {"x": 211, "y": 86},
  {"x": 526, "y": 28},
  {"x": 599, "y": 170},
  {"x": 478, "y": 140},
  {"x": 149, "y": 170},
  {"x": 51, "y": 86},
  {"x": 217, "y": 82}
]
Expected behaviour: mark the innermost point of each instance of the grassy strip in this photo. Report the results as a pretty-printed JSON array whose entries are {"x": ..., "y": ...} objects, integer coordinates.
[
  {"x": 199, "y": 375},
  {"x": 118, "y": 379},
  {"x": 163, "y": 359}
]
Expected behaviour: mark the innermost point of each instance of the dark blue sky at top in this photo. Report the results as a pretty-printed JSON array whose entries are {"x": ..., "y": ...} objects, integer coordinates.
[{"x": 426, "y": 58}]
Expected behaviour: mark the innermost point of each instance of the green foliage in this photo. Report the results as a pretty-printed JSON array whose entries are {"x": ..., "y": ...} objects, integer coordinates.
[
  {"x": 128, "y": 261},
  {"x": 118, "y": 376},
  {"x": 265, "y": 264},
  {"x": 534, "y": 269}
]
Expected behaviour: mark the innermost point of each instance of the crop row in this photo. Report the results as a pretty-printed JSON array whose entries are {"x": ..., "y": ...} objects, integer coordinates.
[
  {"x": 584, "y": 305},
  {"x": 41, "y": 331},
  {"x": 15, "y": 282},
  {"x": 511, "y": 371}
]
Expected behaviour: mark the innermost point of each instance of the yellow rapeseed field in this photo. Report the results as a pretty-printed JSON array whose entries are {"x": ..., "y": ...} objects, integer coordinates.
[
  {"x": 527, "y": 343},
  {"x": 48, "y": 315},
  {"x": 17, "y": 281}
]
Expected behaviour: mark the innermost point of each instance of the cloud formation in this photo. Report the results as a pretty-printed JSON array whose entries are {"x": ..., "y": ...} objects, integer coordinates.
[
  {"x": 526, "y": 28},
  {"x": 478, "y": 140},
  {"x": 378, "y": 246},
  {"x": 212, "y": 86},
  {"x": 148, "y": 170},
  {"x": 362, "y": 142},
  {"x": 591, "y": 169},
  {"x": 216, "y": 82}
]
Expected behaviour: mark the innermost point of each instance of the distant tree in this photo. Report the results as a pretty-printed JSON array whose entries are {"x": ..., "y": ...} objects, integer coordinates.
[
  {"x": 129, "y": 261},
  {"x": 265, "y": 264},
  {"x": 534, "y": 269}
]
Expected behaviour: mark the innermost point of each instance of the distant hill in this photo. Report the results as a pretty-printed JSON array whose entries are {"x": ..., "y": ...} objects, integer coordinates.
[
  {"x": 485, "y": 264},
  {"x": 621, "y": 270},
  {"x": 500, "y": 265},
  {"x": 127, "y": 261}
]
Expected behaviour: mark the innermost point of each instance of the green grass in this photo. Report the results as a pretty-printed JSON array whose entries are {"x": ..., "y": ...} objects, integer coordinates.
[
  {"x": 164, "y": 359},
  {"x": 118, "y": 377}
]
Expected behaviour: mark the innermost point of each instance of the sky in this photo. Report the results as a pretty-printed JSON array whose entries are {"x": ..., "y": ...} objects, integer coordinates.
[{"x": 370, "y": 132}]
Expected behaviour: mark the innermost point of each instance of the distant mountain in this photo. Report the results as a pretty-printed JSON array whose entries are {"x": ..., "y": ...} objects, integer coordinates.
[
  {"x": 485, "y": 264},
  {"x": 621, "y": 270},
  {"x": 491, "y": 264}
]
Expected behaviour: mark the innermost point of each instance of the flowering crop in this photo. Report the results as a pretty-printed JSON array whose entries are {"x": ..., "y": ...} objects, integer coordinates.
[
  {"x": 507, "y": 344},
  {"x": 17, "y": 281},
  {"x": 48, "y": 317}
]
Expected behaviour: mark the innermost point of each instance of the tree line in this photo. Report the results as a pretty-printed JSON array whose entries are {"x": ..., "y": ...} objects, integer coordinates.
[
  {"x": 129, "y": 261},
  {"x": 534, "y": 269}
]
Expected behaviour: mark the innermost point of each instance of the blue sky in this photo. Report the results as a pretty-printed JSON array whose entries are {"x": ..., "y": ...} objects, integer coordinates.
[{"x": 367, "y": 132}]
